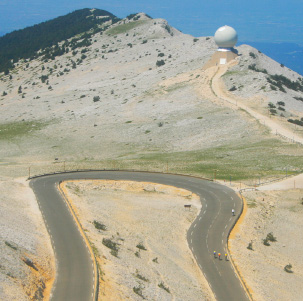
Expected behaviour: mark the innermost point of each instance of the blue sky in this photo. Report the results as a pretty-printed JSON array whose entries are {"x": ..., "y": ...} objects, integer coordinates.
[{"x": 257, "y": 20}]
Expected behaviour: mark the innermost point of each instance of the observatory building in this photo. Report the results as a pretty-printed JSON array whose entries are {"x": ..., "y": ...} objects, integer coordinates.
[{"x": 226, "y": 38}]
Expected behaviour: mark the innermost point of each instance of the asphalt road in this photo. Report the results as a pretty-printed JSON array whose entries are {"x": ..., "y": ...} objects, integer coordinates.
[{"x": 208, "y": 233}]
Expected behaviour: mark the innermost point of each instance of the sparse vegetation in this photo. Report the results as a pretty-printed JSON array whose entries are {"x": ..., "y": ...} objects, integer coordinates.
[
  {"x": 160, "y": 63},
  {"x": 269, "y": 237},
  {"x": 110, "y": 244},
  {"x": 99, "y": 226},
  {"x": 155, "y": 260},
  {"x": 141, "y": 277},
  {"x": 96, "y": 98},
  {"x": 296, "y": 121},
  {"x": 138, "y": 291},
  {"x": 162, "y": 285},
  {"x": 141, "y": 246},
  {"x": 254, "y": 68},
  {"x": 251, "y": 54},
  {"x": 20, "y": 128},
  {"x": 250, "y": 246},
  {"x": 288, "y": 268},
  {"x": 233, "y": 88},
  {"x": 11, "y": 245}
]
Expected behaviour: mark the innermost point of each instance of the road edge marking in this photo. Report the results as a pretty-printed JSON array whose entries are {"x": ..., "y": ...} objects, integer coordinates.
[
  {"x": 64, "y": 193},
  {"x": 233, "y": 229}
]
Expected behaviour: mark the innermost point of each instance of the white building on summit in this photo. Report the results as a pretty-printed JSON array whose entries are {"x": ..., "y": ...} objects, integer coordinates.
[{"x": 226, "y": 38}]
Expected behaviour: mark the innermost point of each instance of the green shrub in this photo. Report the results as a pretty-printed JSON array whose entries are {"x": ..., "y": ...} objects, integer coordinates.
[
  {"x": 233, "y": 88},
  {"x": 161, "y": 285},
  {"x": 252, "y": 55},
  {"x": 141, "y": 246},
  {"x": 250, "y": 246},
  {"x": 138, "y": 291},
  {"x": 10, "y": 245},
  {"x": 271, "y": 237},
  {"x": 265, "y": 242},
  {"x": 160, "y": 63},
  {"x": 110, "y": 244},
  {"x": 288, "y": 268},
  {"x": 99, "y": 226},
  {"x": 96, "y": 98},
  {"x": 156, "y": 259},
  {"x": 141, "y": 277}
]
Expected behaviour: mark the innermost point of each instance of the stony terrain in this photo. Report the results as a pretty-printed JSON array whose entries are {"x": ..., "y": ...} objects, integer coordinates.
[
  {"x": 141, "y": 214},
  {"x": 263, "y": 266},
  {"x": 115, "y": 108},
  {"x": 27, "y": 265}
]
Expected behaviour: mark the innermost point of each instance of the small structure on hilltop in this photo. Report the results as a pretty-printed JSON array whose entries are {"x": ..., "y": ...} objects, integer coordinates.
[{"x": 226, "y": 38}]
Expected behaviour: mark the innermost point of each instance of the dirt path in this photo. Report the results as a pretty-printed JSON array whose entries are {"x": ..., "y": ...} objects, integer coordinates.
[{"x": 219, "y": 90}]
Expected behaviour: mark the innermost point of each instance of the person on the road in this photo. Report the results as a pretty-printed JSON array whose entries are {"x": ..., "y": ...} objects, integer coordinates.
[
  {"x": 225, "y": 256},
  {"x": 233, "y": 211},
  {"x": 215, "y": 254},
  {"x": 219, "y": 255}
]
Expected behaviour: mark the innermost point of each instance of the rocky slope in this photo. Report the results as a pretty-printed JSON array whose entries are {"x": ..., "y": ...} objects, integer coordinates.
[{"x": 136, "y": 97}]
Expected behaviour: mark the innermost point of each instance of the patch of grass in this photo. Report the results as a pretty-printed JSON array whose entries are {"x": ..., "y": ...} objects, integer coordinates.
[
  {"x": 241, "y": 161},
  {"x": 20, "y": 128},
  {"x": 162, "y": 285},
  {"x": 125, "y": 27}
]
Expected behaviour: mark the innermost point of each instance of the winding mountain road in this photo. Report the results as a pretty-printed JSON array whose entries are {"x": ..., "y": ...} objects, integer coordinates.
[{"x": 208, "y": 233}]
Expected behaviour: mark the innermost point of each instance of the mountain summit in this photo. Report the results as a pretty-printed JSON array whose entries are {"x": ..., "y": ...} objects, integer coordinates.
[{"x": 25, "y": 43}]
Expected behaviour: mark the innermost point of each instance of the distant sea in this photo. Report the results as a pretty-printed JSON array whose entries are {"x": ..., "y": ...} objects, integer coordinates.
[{"x": 288, "y": 54}]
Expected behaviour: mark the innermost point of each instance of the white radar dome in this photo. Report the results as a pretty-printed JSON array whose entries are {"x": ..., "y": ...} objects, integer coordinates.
[{"x": 226, "y": 37}]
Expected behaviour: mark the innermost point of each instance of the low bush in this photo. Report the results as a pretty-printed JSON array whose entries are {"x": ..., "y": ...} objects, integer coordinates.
[
  {"x": 161, "y": 285},
  {"x": 138, "y": 291},
  {"x": 288, "y": 268},
  {"x": 99, "y": 226},
  {"x": 160, "y": 63},
  {"x": 110, "y": 244},
  {"x": 250, "y": 246},
  {"x": 141, "y": 246}
]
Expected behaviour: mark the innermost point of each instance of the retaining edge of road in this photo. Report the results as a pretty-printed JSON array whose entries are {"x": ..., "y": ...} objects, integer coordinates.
[
  {"x": 249, "y": 295},
  {"x": 86, "y": 240}
]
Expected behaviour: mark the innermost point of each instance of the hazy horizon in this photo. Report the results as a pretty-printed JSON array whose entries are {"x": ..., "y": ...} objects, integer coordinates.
[{"x": 270, "y": 21}]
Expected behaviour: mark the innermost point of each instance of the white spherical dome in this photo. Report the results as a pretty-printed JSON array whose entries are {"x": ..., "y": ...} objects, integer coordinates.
[{"x": 226, "y": 36}]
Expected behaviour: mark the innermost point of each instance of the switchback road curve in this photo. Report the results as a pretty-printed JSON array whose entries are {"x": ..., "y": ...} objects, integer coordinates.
[{"x": 208, "y": 233}]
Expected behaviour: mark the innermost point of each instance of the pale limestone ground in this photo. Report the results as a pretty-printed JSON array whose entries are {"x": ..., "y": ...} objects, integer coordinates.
[
  {"x": 281, "y": 213},
  {"x": 23, "y": 236},
  {"x": 135, "y": 98},
  {"x": 146, "y": 213}
]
